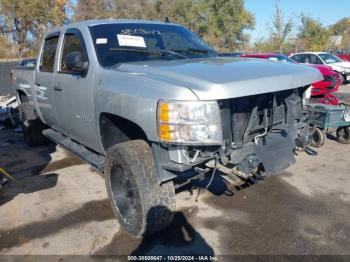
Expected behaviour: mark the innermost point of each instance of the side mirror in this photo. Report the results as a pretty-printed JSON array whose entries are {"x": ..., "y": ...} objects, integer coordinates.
[{"x": 74, "y": 62}]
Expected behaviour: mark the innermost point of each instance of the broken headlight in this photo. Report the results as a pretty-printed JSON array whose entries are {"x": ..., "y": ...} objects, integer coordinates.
[
  {"x": 307, "y": 96},
  {"x": 194, "y": 122}
]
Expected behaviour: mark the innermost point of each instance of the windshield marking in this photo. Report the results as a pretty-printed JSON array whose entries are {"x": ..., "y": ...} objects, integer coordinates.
[
  {"x": 101, "y": 41},
  {"x": 139, "y": 31},
  {"x": 131, "y": 40}
]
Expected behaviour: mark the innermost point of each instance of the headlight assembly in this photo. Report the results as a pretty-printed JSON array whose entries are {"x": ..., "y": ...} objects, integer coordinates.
[
  {"x": 194, "y": 122},
  {"x": 307, "y": 96}
]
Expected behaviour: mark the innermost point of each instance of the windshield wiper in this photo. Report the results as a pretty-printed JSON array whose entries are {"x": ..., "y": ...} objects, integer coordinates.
[
  {"x": 191, "y": 50},
  {"x": 159, "y": 52}
]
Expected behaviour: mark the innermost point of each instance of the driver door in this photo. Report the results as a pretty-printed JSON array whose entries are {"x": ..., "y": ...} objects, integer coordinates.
[{"x": 73, "y": 92}]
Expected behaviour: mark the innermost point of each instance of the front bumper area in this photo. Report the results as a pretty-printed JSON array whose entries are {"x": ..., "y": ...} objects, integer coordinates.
[{"x": 260, "y": 134}]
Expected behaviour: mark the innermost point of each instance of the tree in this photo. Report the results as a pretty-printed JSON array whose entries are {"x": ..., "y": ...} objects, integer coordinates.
[
  {"x": 312, "y": 35},
  {"x": 184, "y": 12},
  {"x": 226, "y": 22},
  {"x": 280, "y": 29},
  {"x": 105, "y": 9},
  {"x": 342, "y": 27},
  {"x": 221, "y": 23},
  {"x": 25, "y": 21},
  {"x": 92, "y": 9},
  {"x": 262, "y": 45}
]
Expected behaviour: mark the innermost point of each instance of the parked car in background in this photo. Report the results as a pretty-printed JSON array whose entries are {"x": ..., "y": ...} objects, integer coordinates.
[
  {"x": 230, "y": 54},
  {"x": 345, "y": 56},
  {"x": 323, "y": 58},
  {"x": 28, "y": 62},
  {"x": 329, "y": 84}
]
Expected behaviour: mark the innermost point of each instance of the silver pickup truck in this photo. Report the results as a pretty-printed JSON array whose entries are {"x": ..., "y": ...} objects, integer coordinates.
[{"x": 153, "y": 107}]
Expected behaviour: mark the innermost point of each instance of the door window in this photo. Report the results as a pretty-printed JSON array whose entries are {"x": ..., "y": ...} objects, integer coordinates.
[
  {"x": 299, "y": 58},
  {"x": 72, "y": 43},
  {"x": 315, "y": 60},
  {"x": 47, "y": 60}
]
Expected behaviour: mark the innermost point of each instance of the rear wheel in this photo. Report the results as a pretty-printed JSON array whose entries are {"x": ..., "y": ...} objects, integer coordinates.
[
  {"x": 141, "y": 205},
  {"x": 31, "y": 125},
  {"x": 318, "y": 137},
  {"x": 343, "y": 135},
  {"x": 32, "y": 131}
]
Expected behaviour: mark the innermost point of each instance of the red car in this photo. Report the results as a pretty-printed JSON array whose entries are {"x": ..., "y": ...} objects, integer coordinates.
[
  {"x": 331, "y": 81},
  {"x": 344, "y": 56}
]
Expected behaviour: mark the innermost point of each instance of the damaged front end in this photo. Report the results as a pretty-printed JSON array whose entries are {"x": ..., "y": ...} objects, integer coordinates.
[{"x": 258, "y": 135}]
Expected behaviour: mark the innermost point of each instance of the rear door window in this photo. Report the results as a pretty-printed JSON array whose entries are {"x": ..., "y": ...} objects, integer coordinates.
[{"x": 47, "y": 60}]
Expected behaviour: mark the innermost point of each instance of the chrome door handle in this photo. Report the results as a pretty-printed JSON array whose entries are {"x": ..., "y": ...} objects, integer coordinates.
[{"x": 57, "y": 87}]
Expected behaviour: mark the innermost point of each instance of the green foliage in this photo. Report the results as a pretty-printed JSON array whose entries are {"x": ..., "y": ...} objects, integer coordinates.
[
  {"x": 221, "y": 22},
  {"x": 262, "y": 45},
  {"x": 342, "y": 27},
  {"x": 25, "y": 21},
  {"x": 313, "y": 36},
  {"x": 279, "y": 30},
  {"x": 226, "y": 21}
]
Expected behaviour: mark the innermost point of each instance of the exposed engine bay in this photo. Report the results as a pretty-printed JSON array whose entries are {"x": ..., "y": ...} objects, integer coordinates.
[{"x": 260, "y": 134}]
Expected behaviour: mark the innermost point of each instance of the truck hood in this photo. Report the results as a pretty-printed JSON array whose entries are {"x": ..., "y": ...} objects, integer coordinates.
[{"x": 222, "y": 78}]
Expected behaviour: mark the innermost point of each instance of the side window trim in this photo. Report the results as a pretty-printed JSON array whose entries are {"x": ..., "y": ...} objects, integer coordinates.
[
  {"x": 319, "y": 58},
  {"x": 47, "y": 38},
  {"x": 78, "y": 34}
]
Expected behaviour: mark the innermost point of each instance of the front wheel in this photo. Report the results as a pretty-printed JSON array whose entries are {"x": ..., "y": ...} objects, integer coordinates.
[
  {"x": 318, "y": 137},
  {"x": 141, "y": 205},
  {"x": 343, "y": 135}
]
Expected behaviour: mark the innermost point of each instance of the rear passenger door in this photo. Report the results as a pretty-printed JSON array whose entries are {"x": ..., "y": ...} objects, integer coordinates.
[
  {"x": 73, "y": 92},
  {"x": 44, "y": 77}
]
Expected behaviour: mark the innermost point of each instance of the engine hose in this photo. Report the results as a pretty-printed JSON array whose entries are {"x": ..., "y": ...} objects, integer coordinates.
[
  {"x": 211, "y": 179},
  {"x": 213, "y": 174}
]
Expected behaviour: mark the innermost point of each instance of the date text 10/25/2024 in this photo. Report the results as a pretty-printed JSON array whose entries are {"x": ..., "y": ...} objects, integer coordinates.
[{"x": 172, "y": 258}]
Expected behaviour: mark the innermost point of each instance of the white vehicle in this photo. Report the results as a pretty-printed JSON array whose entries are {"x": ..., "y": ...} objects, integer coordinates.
[{"x": 320, "y": 58}]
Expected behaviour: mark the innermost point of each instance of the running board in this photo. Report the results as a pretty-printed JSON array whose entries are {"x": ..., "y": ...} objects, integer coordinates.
[{"x": 94, "y": 159}]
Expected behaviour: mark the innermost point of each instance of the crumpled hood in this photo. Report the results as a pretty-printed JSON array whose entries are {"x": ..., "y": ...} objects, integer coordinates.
[{"x": 222, "y": 78}]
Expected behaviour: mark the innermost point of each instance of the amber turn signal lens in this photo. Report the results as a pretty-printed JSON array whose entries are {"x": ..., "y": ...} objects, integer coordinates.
[
  {"x": 165, "y": 133},
  {"x": 164, "y": 112}
]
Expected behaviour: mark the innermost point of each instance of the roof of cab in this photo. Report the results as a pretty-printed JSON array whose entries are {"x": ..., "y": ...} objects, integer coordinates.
[
  {"x": 87, "y": 23},
  {"x": 315, "y": 53}
]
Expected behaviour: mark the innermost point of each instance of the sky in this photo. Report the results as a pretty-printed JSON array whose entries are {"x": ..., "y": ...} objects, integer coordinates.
[{"x": 327, "y": 11}]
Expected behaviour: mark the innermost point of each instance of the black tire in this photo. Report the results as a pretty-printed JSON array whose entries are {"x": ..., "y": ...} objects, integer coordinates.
[
  {"x": 318, "y": 137},
  {"x": 32, "y": 126},
  {"x": 141, "y": 205},
  {"x": 343, "y": 135},
  {"x": 32, "y": 132}
]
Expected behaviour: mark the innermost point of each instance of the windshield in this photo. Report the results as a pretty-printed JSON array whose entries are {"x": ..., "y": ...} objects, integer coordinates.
[
  {"x": 330, "y": 59},
  {"x": 283, "y": 58},
  {"x": 133, "y": 42}
]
